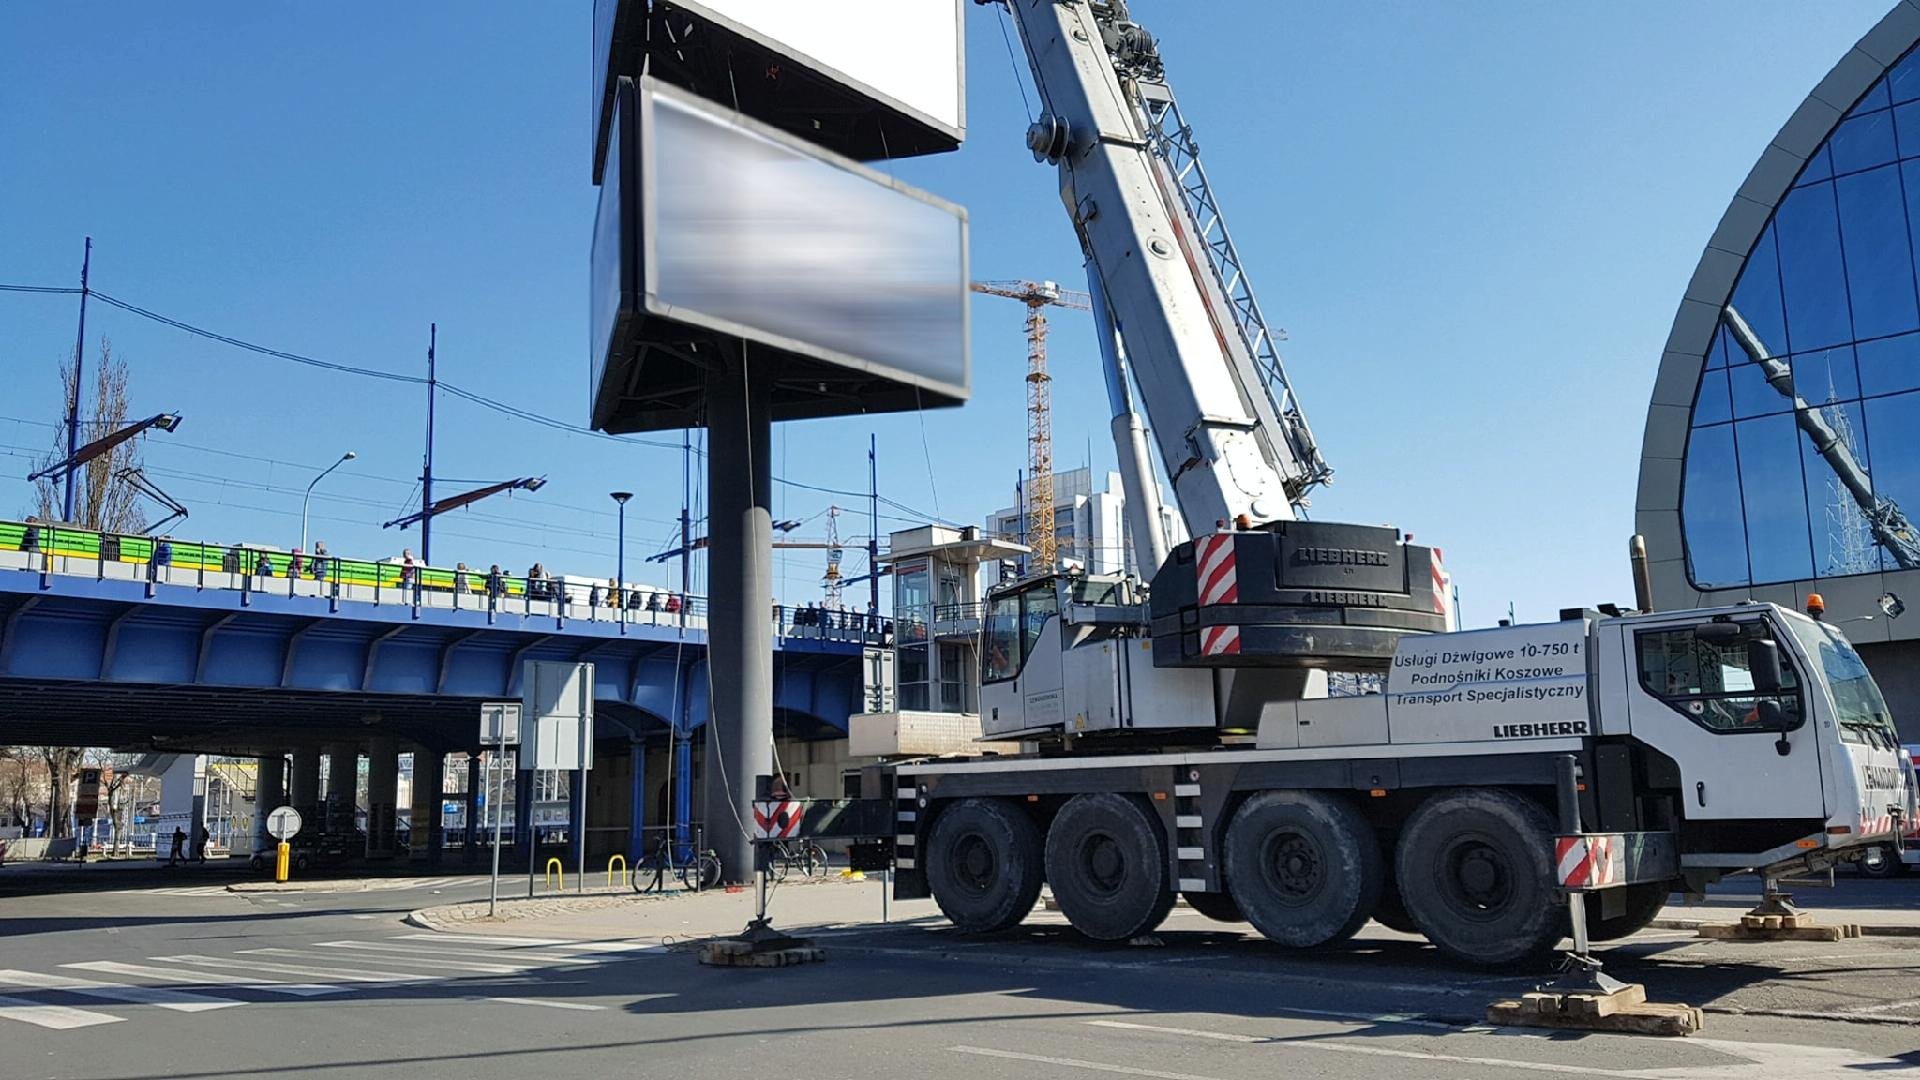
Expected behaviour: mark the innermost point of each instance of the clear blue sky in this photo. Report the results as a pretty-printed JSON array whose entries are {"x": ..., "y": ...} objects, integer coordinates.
[{"x": 1474, "y": 222}]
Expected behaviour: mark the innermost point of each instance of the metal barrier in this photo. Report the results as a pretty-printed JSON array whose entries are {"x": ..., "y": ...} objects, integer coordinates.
[
  {"x": 556, "y": 867},
  {"x": 622, "y": 860}
]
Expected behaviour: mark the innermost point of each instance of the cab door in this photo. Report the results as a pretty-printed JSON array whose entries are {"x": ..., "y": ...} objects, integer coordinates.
[
  {"x": 1694, "y": 700},
  {"x": 1020, "y": 663}
]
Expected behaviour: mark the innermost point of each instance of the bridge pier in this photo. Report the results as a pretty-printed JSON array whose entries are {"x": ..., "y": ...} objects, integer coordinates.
[
  {"x": 343, "y": 784},
  {"x": 304, "y": 787},
  {"x": 429, "y": 798},
  {"x": 383, "y": 795},
  {"x": 269, "y": 794},
  {"x": 637, "y": 802}
]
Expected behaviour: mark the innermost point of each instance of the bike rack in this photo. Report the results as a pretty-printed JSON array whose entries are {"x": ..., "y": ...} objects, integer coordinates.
[
  {"x": 622, "y": 860},
  {"x": 556, "y": 867}
]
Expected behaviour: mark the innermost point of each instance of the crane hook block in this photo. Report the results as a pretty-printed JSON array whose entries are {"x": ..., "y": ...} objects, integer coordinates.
[{"x": 1295, "y": 594}]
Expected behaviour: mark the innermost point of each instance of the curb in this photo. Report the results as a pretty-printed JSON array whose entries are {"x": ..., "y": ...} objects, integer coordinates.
[{"x": 1866, "y": 929}]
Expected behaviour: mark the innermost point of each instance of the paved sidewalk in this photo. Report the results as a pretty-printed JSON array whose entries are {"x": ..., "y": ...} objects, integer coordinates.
[
  {"x": 812, "y": 906},
  {"x": 1897, "y": 921}
]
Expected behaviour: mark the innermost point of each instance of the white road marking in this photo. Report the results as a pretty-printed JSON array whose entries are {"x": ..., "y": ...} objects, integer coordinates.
[
  {"x": 514, "y": 956},
  {"x": 606, "y": 946},
  {"x": 404, "y": 959},
  {"x": 176, "y": 1000},
  {"x": 1754, "y": 1061},
  {"x": 329, "y": 974},
  {"x": 205, "y": 978},
  {"x": 52, "y": 1016},
  {"x": 1077, "y": 1063},
  {"x": 582, "y": 1006},
  {"x": 481, "y": 939}
]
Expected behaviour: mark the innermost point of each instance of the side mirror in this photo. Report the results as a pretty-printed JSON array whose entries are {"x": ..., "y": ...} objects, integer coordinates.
[{"x": 1763, "y": 662}]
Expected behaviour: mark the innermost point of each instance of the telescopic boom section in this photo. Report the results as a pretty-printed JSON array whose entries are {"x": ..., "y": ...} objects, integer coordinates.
[{"x": 1222, "y": 414}]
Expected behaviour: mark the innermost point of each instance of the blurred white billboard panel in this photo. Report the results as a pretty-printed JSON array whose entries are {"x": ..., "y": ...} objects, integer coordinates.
[
  {"x": 869, "y": 79},
  {"x": 715, "y": 230}
]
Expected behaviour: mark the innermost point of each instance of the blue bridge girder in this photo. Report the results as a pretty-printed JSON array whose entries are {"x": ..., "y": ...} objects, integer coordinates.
[{"x": 131, "y": 663}]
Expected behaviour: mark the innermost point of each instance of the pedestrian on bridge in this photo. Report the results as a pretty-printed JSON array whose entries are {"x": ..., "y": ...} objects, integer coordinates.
[
  {"x": 319, "y": 559},
  {"x": 406, "y": 568}
]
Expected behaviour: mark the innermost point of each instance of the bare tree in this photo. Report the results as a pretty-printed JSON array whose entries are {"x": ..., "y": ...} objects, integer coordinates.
[{"x": 103, "y": 502}]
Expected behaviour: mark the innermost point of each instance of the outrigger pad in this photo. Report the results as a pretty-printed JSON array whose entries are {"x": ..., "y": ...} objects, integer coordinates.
[{"x": 1626, "y": 1010}]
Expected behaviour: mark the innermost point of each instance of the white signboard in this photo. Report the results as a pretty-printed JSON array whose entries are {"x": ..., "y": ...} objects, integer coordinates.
[
  {"x": 500, "y": 723},
  {"x": 283, "y": 823},
  {"x": 556, "y": 707},
  {"x": 1522, "y": 682},
  {"x": 906, "y": 50}
]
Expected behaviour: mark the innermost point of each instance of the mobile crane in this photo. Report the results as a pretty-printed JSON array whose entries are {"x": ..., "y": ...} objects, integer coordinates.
[{"x": 1178, "y": 740}]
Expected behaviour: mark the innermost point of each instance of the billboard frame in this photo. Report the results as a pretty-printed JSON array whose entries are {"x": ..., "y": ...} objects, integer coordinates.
[{"x": 695, "y": 340}]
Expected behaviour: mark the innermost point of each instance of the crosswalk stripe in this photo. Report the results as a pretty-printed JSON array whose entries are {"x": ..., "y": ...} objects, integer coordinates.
[
  {"x": 580, "y": 1005},
  {"x": 411, "y": 960},
  {"x": 52, "y": 1016},
  {"x": 608, "y": 946},
  {"x": 327, "y": 974},
  {"x": 205, "y": 978},
  {"x": 176, "y": 1000},
  {"x": 483, "y": 939},
  {"x": 508, "y": 955}
]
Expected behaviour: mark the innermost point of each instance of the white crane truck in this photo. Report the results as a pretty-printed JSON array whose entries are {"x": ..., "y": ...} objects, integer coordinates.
[{"x": 1179, "y": 737}]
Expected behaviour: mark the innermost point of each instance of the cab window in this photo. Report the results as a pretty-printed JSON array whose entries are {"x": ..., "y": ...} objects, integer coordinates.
[
  {"x": 1709, "y": 682},
  {"x": 1013, "y": 626}
]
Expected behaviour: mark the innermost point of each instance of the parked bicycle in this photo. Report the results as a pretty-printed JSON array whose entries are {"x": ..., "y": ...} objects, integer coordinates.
[
  {"x": 696, "y": 869},
  {"x": 803, "y": 855}
]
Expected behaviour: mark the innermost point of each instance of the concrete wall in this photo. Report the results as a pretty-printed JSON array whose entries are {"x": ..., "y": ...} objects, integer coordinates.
[{"x": 1896, "y": 667}]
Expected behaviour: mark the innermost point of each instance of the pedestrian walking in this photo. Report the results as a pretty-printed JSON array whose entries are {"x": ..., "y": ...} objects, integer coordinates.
[
  {"x": 179, "y": 847},
  {"x": 319, "y": 559},
  {"x": 496, "y": 582}
]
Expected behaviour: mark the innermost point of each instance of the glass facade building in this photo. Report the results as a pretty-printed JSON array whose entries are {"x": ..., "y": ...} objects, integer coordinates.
[{"x": 1782, "y": 451}]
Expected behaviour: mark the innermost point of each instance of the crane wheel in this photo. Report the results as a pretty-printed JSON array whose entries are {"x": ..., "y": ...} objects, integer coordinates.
[
  {"x": 983, "y": 865},
  {"x": 1107, "y": 866},
  {"x": 1218, "y": 906},
  {"x": 1304, "y": 866},
  {"x": 1475, "y": 866},
  {"x": 1644, "y": 902}
]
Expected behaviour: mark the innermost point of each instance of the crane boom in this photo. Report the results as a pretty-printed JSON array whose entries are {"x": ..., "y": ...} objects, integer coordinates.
[{"x": 1222, "y": 414}]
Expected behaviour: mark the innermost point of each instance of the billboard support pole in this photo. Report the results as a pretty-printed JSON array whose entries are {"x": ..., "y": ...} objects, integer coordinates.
[{"x": 740, "y": 591}]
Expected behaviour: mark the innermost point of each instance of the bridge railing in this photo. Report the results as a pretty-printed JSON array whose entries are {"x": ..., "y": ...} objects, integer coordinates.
[{"x": 51, "y": 549}]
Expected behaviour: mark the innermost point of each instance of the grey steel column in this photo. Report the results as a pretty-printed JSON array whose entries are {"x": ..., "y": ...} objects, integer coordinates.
[
  {"x": 343, "y": 785},
  {"x": 470, "y": 841},
  {"x": 303, "y": 789},
  {"x": 739, "y": 608},
  {"x": 429, "y": 797},
  {"x": 269, "y": 794}
]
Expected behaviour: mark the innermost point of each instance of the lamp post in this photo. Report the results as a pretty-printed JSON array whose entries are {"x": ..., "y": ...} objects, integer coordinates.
[
  {"x": 620, "y": 558},
  {"x": 344, "y": 458}
]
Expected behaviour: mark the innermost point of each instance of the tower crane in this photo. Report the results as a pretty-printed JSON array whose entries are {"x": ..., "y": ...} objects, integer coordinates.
[{"x": 1038, "y": 296}]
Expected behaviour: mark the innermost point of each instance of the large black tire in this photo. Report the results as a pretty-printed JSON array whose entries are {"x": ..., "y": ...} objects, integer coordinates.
[
  {"x": 1304, "y": 866},
  {"x": 1218, "y": 906},
  {"x": 983, "y": 864},
  {"x": 1475, "y": 868},
  {"x": 1643, "y": 906},
  {"x": 1107, "y": 866}
]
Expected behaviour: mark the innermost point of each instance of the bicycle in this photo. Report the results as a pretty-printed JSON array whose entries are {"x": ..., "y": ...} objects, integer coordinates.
[
  {"x": 803, "y": 855},
  {"x": 700, "y": 872}
]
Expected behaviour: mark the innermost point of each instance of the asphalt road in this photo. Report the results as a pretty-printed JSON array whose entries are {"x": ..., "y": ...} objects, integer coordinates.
[{"x": 190, "y": 981}]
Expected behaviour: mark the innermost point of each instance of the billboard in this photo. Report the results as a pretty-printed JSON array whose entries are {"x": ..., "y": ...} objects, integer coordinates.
[
  {"x": 866, "y": 78},
  {"x": 716, "y": 233}
]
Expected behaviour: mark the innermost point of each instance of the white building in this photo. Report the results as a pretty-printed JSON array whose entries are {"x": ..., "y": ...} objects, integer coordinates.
[{"x": 1089, "y": 527}]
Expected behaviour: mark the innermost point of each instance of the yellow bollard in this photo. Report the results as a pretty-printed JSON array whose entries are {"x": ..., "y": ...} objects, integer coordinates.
[
  {"x": 622, "y": 860},
  {"x": 556, "y": 867},
  {"x": 281, "y": 857}
]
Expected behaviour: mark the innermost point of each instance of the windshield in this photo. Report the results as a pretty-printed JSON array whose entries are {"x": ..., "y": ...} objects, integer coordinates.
[{"x": 1859, "y": 708}]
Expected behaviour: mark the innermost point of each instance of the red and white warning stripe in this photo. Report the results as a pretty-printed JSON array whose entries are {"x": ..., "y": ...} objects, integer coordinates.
[
  {"x": 1590, "y": 861},
  {"x": 776, "y": 820},
  {"x": 1219, "y": 583},
  {"x": 1442, "y": 590}
]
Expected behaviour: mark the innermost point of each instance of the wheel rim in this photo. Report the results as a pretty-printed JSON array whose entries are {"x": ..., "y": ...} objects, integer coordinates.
[
  {"x": 973, "y": 864},
  {"x": 1294, "y": 867},
  {"x": 1476, "y": 877},
  {"x": 1103, "y": 864}
]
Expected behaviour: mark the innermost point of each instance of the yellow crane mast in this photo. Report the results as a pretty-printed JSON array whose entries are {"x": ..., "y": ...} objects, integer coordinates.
[{"x": 1038, "y": 296}]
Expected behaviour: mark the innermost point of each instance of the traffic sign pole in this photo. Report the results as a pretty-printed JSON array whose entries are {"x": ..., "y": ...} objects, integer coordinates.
[
  {"x": 283, "y": 825},
  {"x": 493, "y": 888}
]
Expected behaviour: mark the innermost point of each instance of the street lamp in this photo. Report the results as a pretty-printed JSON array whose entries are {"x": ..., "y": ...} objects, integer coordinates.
[
  {"x": 620, "y": 559},
  {"x": 344, "y": 458}
]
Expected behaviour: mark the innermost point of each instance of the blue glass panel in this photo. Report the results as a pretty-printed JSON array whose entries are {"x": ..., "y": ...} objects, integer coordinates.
[
  {"x": 1819, "y": 167},
  {"x": 1842, "y": 541},
  {"x": 1710, "y": 511},
  {"x": 1811, "y": 275},
  {"x": 1710, "y": 403},
  {"x": 1890, "y": 365},
  {"x": 1862, "y": 143},
  {"x": 1778, "y": 545},
  {"x": 1753, "y": 395},
  {"x": 1757, "y": 297},
  {"x": 1904, "y": 79},
  {"x": 1893, "y": 434},
  {"x": 1874, "y": 98},
  {"x": 1826, "y": 375},
  {"x": 1873, "y": 225},
  {"x": 1906, "y": 128},
  {"x": 1717, "y": 355}
]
